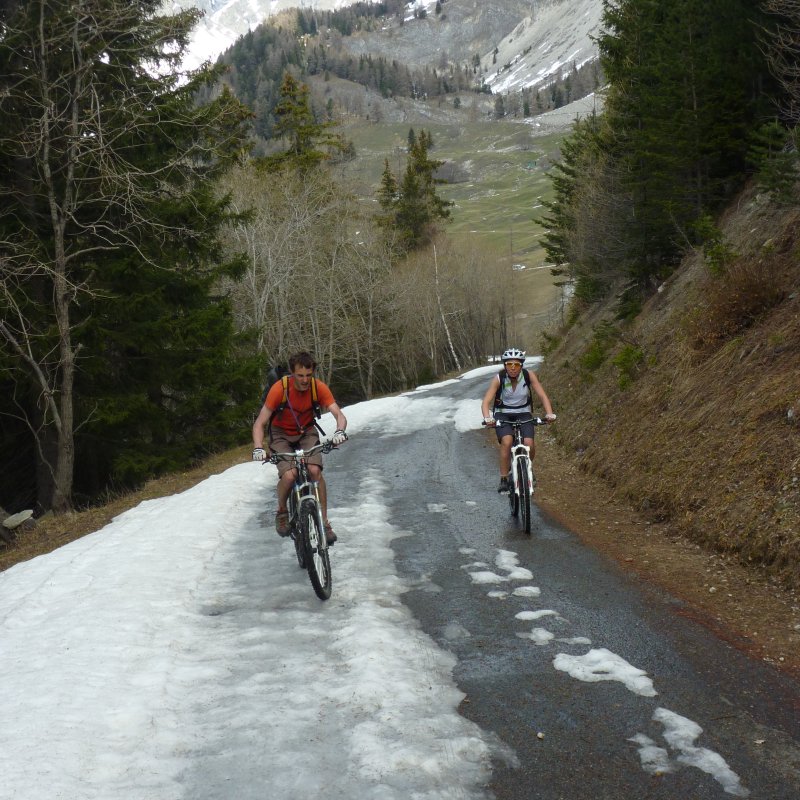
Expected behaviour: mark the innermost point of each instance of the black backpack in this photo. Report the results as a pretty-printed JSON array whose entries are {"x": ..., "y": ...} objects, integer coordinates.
[
  {"x": 503, "y": 375},
  {"x": 273, "y": 376}
]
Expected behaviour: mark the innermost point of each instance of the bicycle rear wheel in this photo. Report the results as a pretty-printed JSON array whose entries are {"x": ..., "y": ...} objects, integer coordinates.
[
  {"x": 524, "y": 494},
  {"x": 318, "y": 563}
]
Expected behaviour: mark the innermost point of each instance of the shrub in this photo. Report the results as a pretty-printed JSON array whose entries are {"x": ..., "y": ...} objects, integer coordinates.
[
  {"x": 718, "y": 254},
  {"x": 629, "y": 304},
  {"x": 627, "y": 361},
  {"x": 605, "y": 334},
  {"x": 549, "y": 343}
]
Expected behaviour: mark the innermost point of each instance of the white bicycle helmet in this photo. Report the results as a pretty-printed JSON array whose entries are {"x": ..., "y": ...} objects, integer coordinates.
[{"x": 513, "y": 354}]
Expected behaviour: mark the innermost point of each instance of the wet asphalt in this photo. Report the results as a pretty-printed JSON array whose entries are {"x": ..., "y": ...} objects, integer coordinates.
[{"x": 570, "y": 738}]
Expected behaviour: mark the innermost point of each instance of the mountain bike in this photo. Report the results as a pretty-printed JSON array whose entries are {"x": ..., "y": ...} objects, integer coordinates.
[
  {"x": 305, "y": 519},
  {"x": 521, "y": 475}
]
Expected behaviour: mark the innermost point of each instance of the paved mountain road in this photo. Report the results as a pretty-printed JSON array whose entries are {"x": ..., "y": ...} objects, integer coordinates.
[{"x": 598, "y": 685}]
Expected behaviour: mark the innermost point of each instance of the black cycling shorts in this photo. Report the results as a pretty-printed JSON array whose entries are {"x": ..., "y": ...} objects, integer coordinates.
[{"x": 528, "y": 429}]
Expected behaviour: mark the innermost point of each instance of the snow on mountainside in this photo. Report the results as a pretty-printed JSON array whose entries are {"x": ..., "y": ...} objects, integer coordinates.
[
  {"x": 542, "y": 46},
  {"x": 535, "y": 40},
  {"x": 226, "y": 20}
]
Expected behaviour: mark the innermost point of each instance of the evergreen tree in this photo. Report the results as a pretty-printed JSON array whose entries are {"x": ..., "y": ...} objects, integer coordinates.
[
  {"x": 389, "y": 191},
  {"x": 305, "y": 136},
  {"x": 580, "y": 236},
  {"x": 776, "y": 162},
  {"x": 107, "y": 226},
  {"x": 164, "y": 377},
  {"x": 683, "y": 91},
  {"x": 417, "y": 208}
]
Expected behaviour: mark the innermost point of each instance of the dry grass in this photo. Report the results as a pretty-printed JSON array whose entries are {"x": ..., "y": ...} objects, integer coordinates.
[
  {"x": 737, "y": 602},
  {"x": 52, "y": 531},
  {"x": 708, "y": 434},
  {"x": 747, "y": 290}
]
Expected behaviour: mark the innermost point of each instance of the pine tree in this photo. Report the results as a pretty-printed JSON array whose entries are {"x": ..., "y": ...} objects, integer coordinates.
[
  {"x": 776, "y": 162},
  {"x": 107, "y": 208},
  {"x": 417, "y": 209},
  {"x": 296, "y": 124},
  {"x": 389, "y": 191},
  {"x": 580, "y": 221}
]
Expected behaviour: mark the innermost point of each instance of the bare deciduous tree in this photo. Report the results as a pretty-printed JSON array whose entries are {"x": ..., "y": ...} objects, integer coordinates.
[
  {"x": 783, "y": 53},
  {"x": 97, "y": 131},
  {"x": 315, "y": 268}
]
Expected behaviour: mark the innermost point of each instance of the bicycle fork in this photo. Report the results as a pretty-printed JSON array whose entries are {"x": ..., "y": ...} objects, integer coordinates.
[
  {"x": 521, "y": 451},
  {"x": 308, "y": 493}
]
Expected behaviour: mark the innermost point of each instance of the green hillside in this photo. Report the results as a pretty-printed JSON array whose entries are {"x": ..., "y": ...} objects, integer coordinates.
[{"x": 500, "y": 180}]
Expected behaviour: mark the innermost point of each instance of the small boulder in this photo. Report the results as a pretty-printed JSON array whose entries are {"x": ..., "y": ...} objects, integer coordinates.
[{"x": 15, "y": 520}]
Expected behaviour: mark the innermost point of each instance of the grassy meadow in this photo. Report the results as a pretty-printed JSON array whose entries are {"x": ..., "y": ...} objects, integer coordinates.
[{"x": 500, "y": 182}]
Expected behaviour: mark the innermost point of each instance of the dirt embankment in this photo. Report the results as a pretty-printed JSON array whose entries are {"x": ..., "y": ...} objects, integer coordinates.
[{"x": 690, "y": 415}]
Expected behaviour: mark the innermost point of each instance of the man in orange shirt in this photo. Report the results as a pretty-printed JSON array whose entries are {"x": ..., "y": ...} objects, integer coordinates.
[{"x": 292, "y": 428}]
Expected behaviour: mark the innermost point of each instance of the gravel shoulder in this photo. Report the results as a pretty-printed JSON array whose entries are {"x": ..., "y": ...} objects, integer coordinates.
[{"x": 737, "y": 602}]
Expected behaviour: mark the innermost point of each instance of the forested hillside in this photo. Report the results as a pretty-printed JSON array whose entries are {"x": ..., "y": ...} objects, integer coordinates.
[{"x": 319, "y": 45}]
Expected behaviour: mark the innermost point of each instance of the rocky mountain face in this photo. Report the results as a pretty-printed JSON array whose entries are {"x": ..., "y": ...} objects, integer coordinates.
[
  {"x": 544, "y": 44},
  {"x": 519, "y": 43}
]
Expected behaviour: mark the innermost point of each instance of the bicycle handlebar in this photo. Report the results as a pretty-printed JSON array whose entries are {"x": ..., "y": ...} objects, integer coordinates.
[
  {"x": 515, "y": 423},
  {"x": 324, "y": 447}
]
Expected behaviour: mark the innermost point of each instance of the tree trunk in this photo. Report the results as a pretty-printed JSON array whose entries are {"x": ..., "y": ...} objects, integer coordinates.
[{"x": 441, "y": 312}]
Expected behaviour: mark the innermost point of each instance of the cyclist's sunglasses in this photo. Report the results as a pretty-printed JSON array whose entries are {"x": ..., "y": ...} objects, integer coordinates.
[{"x": 517, "y": 364}]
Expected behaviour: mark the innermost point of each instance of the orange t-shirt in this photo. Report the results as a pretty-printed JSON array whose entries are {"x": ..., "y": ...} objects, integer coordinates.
[{"x": 299, "y": 402}]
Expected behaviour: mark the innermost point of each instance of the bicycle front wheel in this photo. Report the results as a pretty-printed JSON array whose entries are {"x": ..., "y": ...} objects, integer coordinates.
[
  {"x": 318, "y": 563},
  {"x": 524, "y": 495},
  {"x": 513, "y": 499},
  {"x": 300, "y": 548},
  {"x": 297, "y": 534}
]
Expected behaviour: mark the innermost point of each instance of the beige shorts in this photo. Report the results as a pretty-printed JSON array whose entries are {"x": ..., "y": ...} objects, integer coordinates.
[{"x": 281, "y": 442}]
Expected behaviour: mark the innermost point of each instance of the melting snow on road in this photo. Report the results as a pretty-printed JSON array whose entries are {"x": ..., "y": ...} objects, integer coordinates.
[
  {"x": 600, "y": 665},
  {"x": 180, "y": 652},
  {"x": 603, "y": 665},
  {"x": 680, "y": 734}
]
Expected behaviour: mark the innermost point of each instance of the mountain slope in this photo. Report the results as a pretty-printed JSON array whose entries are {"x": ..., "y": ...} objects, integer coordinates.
[
  {"x": 535, "y": 40},
  {"x": 224, "y": 21},
  {"x": 465, "y": 29},
  {"x": 542, "y": 46},
  {"x": 692, "y": 410}
]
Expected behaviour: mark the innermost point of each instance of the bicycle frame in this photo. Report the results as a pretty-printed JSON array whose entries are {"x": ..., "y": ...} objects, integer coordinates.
[
  {"x": 522, "y": 488},
  {"x": 310, "y": 542},
  {"x": 305, "y": 491}
]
